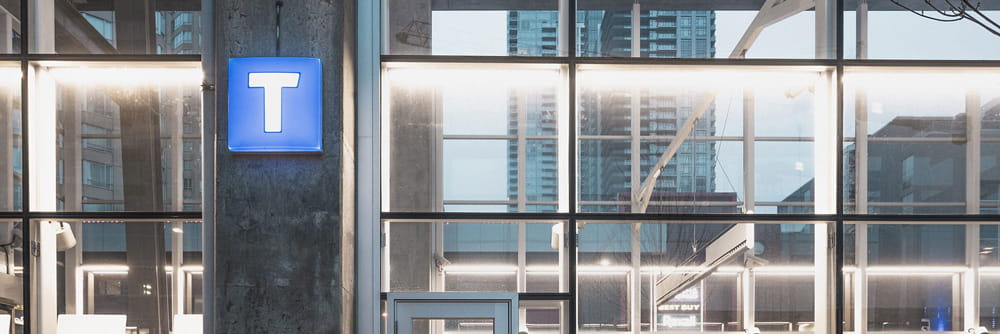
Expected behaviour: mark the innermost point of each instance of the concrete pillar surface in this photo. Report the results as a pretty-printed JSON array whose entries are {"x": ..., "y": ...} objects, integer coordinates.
[{"x": 284, "y": 260}]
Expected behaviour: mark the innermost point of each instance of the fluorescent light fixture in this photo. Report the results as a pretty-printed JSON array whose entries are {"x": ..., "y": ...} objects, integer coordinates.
[
  {"x": 193, "y": 268},
  {"x": 786, "y": 270},
  {"x": 123, "y": 269},
  {"x": 473, "y": 77},
  {"x": 991, "y": 271},
  {"x": 662, "y": 270},
  {"x": 712, "y": 78},
  {"x": 603, "y": 269},
  {"x": 915, "y": 270},
  {"x": 914, "y": 81},
  {"x": 542, "y": 270},
  {"x": 131, "y": 76},
  {"x": 480, "y": 269},
  {"x": 104, "y": 268}
]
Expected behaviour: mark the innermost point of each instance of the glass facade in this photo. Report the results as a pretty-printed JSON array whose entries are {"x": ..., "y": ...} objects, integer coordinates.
[
  {"x": 643, "y": 166},
  {"x": 608, "y": 142}
]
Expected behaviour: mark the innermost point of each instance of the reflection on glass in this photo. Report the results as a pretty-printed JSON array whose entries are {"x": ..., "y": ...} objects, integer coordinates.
[
  {"x": 127, "y": 139},
  {"x": 916, "y": 244},
  {"x": 126, "y": 27},
  {"x": 882, "y": 38},
  {"x": 10, "y": 137},
  {"x": 663, "y": 32},
  {"x": 472, "y": 139},
  {"x": 989, "y": 279},
  {"x": 457, "y": 326},
  {"x": 497, "y": 28},
  {"x": 610, "y": 254},
  {"x": 916, "y": 127},
  {"x": 914, "y": 277},
  {"x": 543, "y": 317},
  {"x": 469, "y": 256},
  {"x": 148, "y": 272},
  {"x": 671, "y": 29},
  {"x": 914, "y": 303},
  {"x": 989, "y": 300},
  {"x": 784, "y": 303},
  {"x": 989, "y": 185},
  {"x": 786, "y": 177},
  {"x": 633, "y": 120}
]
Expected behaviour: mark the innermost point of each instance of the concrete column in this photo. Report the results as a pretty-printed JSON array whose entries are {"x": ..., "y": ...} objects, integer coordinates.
[
  {"x": 283, "y": 223},
  {"x": 142, "y": 174},
  {"x": 135, "y": 26}
]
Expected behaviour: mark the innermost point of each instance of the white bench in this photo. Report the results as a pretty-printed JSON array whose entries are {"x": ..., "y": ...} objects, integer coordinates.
[{"x": 90, "y": 324}]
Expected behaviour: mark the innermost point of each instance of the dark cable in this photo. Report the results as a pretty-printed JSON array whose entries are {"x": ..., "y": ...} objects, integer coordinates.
[
  {"x": 277, "y": 28},
  {"x": 956, "y": 13}
]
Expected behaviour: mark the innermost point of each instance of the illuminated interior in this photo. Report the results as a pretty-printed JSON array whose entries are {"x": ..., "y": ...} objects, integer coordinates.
[{"x": 917, "y": 276}]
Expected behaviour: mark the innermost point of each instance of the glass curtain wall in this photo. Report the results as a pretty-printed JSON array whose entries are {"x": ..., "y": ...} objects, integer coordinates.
[
  {"x": 101, "y": 146},
  {"x": 596, "y": 156}
]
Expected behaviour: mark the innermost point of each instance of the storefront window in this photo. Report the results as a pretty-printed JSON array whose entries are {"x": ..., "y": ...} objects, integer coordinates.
[
  {"x": 630, "y": 117},
  {"x": 113, "y": 147},
  {"x": 625, "y": 270},
  {"x": 480, "y": 139},
  {"x": 920, "y": 141},
  {"x": 147, "y": 274},
  {"x": 474, "y": 256},
  {"x": 117, "y": 128}
]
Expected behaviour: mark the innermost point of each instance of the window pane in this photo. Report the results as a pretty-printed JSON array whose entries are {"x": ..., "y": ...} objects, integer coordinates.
[
  {"x": 914, "y": 303},
  {"x": 672, "y": 29},
  {"x": 989, "y": 245},
  {"x": 630, "y": 116},
  {"x": 473, "y": 256},
  {"x": 494, "y": 28},
  {"x": 130, "y": 141},
  {"x": 126, "y": 27},
  {"x": 785, "y": 302},
  {"x": 883, "y": 38},
  {"x": 462, "y": 138},
  {"x": 916, "y": 244},
  {"x": 785, "y": 177},
  {"x": 914, "y": 277},
  {"x": 543, "y": 316},
  {"x": 783, "y": 256},
  {"x": 10, "y": 137},
  {"x": 989, "y": 300},
  {"x": 990, "y": 151},
  {"x": 916, "y": 143},
  {"x": 604, "y": 276},
  {"x": 136, "y": 269},
  {"x": 989, "y": 279}
]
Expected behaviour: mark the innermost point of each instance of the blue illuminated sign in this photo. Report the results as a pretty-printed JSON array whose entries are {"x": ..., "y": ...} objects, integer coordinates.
[{"x": 275, "y": 105}]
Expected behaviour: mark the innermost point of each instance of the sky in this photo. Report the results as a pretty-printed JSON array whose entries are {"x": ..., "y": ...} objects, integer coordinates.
[{"x": 781, "y": 167}]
